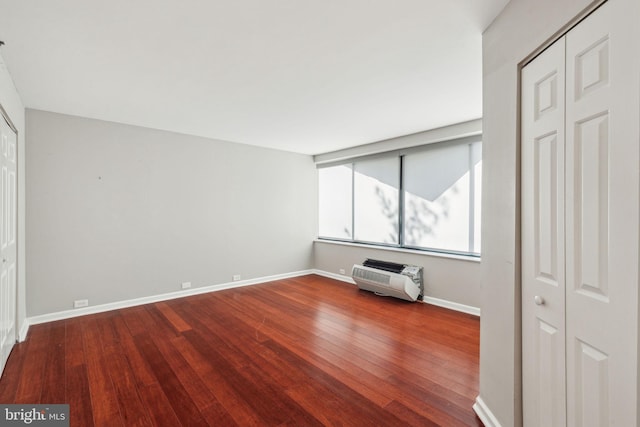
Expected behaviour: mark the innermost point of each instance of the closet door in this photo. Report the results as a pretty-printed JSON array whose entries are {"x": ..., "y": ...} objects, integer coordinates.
[
  {"x": 580, "y": 224},
  {"x": 602, "y": 160},
  {"x": 543, "y": 274},
  {"x": 8, "y": 228}
]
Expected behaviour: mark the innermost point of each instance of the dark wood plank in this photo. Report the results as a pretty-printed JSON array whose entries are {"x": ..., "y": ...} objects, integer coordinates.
[
  {"x": 132, "y": 410},
  {"x": 158, "y": 405},
  {"x": 408, "y": 416},
  {"x": 135, "y": 318},
  {"x": 191, "y": 382},
  {"x": 74, "y": 343},
  {"x": 215, "y": 379},
  {"x": 11, "y": 376},
  {"x": 104, "y": 400},
  {"x": 181, "y": 402},
  {"x": 273, "y": 406},
  {"x": 53, "y": 384},
  {"x": 178, "y": 322},
  {"x": 78, "y": 396},
  {"x": 141, "y": 370},
  {"x": 301, "y": 351},
  {"x": 29, "y": 387}
]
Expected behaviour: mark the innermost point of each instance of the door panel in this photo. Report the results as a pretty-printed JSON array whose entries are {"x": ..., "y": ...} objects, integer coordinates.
[
  {"x": 602, "y": 217},
  {"x": 590, "y": 208},
  {"x": 8, "y": 228},
  {"x": 547, "y": 369},
  {"x": 545, "y": 193},
  {"x": 592, "y": 377},
  {"x": 543, "y": 273}
]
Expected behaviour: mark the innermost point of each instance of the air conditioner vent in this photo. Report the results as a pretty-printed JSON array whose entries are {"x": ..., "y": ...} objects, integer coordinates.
[{"x": 373, "y": 276}]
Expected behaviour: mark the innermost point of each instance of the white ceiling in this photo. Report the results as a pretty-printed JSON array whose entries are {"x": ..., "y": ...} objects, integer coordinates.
[{"x": 308, "y": 76}]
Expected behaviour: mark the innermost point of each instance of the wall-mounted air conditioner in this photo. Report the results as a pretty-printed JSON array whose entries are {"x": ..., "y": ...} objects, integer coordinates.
[{"x": 389, "y": 279}]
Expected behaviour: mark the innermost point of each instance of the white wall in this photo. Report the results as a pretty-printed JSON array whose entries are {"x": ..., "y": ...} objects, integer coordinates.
[
  {"x": 449, "y": 279},
  {"x": 117, "y": 212},
  {"x": 519, "y": 30},
  {"x": 12, "y": 104}
]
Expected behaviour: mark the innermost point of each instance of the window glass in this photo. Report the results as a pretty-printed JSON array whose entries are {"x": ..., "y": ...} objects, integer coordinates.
[
  {"x": 376, "y": 194},
  {"x": 334, "y": 192},
  {"x": 436, "y": 198},
  {"x": 477, "y": 200}
]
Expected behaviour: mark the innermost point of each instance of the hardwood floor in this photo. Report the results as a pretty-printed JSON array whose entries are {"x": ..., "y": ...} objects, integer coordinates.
[{"x": 300, "y": 352}]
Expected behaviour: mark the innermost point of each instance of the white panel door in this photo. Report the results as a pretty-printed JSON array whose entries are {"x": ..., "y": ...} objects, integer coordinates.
[
  {"x": 602, "y": 219},
  {"x": 543, "y": 275},
  {"x": 580, "y": 224},
  {"x": 8, "y": 230}
]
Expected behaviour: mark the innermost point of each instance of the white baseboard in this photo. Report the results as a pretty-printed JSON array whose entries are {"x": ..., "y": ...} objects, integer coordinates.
[
  {"x": 22, "y": 335},
  {"x": 67, "y": 314},
  {"x": 484, "y": 413},
  {"x": 429, "y": 300},
  {"x": 452, "y": 305},
  {"x": 335, "y": 276}
]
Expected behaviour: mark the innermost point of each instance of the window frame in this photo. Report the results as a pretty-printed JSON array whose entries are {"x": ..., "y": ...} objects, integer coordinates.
[{"x": 400, "y": 154}]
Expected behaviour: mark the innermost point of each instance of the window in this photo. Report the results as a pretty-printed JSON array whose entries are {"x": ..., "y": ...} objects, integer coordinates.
[
  {"x": 424, "y": 198},
  {"x": 335, "y": 202},
  {"x": 376, "y": 200}
]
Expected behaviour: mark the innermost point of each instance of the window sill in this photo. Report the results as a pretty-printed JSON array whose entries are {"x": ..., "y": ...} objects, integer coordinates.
[{"x": 403, "y": 250}]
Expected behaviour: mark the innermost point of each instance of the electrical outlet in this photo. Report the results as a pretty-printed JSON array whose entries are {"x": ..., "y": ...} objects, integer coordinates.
[
  {"x": 186, "y": 285},
  {"x": 342, "y": 271},
  {"x": 236, "y": 277},
  {"x": 79, "y": 303}
]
